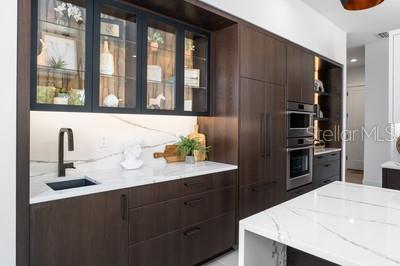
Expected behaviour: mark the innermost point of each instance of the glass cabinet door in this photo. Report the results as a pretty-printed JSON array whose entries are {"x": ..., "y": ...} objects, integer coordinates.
[
  {"x": 117, "y": 65},
  {"x": 161, "y": 66},
  {"x": 195, "y": 73},
  {"x": 60, "y": 56}
]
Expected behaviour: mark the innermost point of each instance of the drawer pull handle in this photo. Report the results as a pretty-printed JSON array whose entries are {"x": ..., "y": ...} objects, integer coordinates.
[
  {"x": 327, "y": 165},
  {"x": 192, "y": 231},
  {"x": 328, "y": 181},
  {"x": 124, "y": 207},
  {"x": 194, "y": 183},
  {"x": 333, "y": 154},
  {"x": 320, "y": 157},
  {"x": 193, "y": 202}
]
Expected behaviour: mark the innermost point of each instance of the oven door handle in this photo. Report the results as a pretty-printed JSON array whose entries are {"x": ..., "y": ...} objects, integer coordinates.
[
  {"x": 262, "y": 135},
  {"x": 301, "y": 113},
  {"x": 300, "y": 148}
]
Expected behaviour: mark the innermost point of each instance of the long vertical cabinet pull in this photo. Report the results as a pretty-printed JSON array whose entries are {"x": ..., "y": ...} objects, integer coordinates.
[
  {"x": 262, "y": 135},
  {"x": 124, "y": 206},
  {"x": 268, "y": 139}
]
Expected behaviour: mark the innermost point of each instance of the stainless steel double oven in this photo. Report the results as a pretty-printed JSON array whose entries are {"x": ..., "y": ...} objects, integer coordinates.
[{"x": 300, "y": 148}]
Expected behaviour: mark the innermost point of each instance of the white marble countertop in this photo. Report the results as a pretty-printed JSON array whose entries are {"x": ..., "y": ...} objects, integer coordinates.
[
  {"x": 325, "y": 150},
  {"x": 391, "y": 165},
  {"x": 344, "y": 223},
  {"x": 114, "y": 179}
]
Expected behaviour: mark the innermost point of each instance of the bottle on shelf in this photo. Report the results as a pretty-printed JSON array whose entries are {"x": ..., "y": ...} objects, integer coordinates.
[{"x": 106, "y": 60}]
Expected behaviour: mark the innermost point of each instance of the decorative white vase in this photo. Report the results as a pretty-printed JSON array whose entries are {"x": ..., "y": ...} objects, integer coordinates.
[{"x": 106, "y": 61}]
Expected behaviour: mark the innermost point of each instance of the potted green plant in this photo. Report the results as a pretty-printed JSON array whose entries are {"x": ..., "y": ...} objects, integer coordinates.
[
  {"x": 61, "y": 96},
  {"x": 187, "y": 147},
  {"x": 155, "y": 40}
]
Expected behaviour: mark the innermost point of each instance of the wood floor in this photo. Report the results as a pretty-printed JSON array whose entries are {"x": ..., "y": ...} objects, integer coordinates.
[{"x": 354, "y": 176}]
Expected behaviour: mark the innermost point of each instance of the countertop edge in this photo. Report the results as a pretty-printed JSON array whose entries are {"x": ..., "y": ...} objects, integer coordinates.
[{"x": 85, "y": 191}]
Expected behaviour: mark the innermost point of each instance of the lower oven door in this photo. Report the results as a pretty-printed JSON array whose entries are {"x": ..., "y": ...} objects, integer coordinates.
[{"x": 299, "y": 166}]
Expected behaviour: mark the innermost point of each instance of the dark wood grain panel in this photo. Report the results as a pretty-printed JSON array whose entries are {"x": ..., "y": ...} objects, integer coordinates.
[
  {"x": 154, "y": 220},
  {"x": 80, "y": 231},
  {"x": 224, "y": 179},
  {"x": 391, "y": 178},
  {"x": 149, "y": 194},
  {"x": 204, "y": 206},
  {"x": 275, "y": 61},
  {"x": 222, "y": 128},
  {"x": 307, "y": 78},
  {"x": 252, "y": 131},
  {"x": 252, "y": 53},
  {"x": 165, "y": 250},
  {"x": 204, "y": 240},
  {"x": 23, "y": 130},
  {"x": 299, "y": 191},
  {"x": 196, "y": 184},
  {"x": 294, "y": 74}
]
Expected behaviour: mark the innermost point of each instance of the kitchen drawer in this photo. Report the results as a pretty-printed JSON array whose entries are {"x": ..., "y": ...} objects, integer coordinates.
[
  {"x": 224, "y": 179},
  {"x": 327, "y": 157},
  {"x": 196, "y": 184},
  {"x": 299, "y": 191},
  {"x": 321, "y": 183},
  {"x": 150, "y": 221},
  {"x": 326, "y": 170},
  {"x": 257, "y": 197},
  {"x": 200, "y": 207},
  {"x": 391, "y": 178},
  {"x": 208, "y": 239},
  {"x": 149, "y": 194},
  {"x": 161, "y": 251}
]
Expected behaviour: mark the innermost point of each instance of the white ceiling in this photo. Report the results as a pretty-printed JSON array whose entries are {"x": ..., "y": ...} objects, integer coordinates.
[{"x": 361, "y": 26}]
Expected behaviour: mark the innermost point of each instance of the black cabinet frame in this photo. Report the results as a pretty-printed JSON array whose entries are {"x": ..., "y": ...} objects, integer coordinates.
[{"x": 92, "y": 62}]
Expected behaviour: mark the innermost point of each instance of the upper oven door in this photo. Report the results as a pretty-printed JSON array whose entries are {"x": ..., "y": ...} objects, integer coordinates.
[{"x": 300, "y": 124}]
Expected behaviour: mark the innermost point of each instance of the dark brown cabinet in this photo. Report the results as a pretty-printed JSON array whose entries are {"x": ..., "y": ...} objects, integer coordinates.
[
  {"x": 81, "y": 231},
  {"x": 252, "y": 131},
  {"x": 275, "y": 61},
  {"x": 300, "y": 75},
  {"x": 262, "y": 160},
  {"x": 252, "y": 53},
  {"x": 326, "y": 169},
  {"x": 182, "y": 222},
  {"x": 391, "y": 178}
]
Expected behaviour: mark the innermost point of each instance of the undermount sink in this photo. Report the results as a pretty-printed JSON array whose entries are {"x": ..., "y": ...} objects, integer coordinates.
[{"x": 75, "y": 183}]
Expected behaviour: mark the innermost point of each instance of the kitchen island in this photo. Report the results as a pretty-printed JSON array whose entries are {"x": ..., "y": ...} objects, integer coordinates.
[{"x": 341, "y": 223}]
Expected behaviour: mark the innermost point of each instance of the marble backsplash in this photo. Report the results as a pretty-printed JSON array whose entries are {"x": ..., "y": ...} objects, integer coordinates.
[{"x": 100, "y": 138}]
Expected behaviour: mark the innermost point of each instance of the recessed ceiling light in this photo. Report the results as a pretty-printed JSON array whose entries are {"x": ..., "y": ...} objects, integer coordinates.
[{"x": 353, "y": 60}]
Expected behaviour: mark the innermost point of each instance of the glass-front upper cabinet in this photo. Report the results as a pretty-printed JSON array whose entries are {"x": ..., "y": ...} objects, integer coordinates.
[
  {"x": 196, "y": 65},
  {"x": 161, "y": 55},
  {"x": 61, "y": 79},
  {"x": 115, "y": 70}
]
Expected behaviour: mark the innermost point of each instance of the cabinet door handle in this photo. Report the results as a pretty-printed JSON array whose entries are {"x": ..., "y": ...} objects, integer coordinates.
[
  {"x": 268, "y": 129},
  {"x": 193, "y": 202},
  {"x": 320, "y": 157},
  {"x": 262, "y": 135},
  {"x": 124, "y": 206},
  {"x": 193, "y": 231},
  {"x": 194, "y": 183},
  {"x": 327, "y": 165}
]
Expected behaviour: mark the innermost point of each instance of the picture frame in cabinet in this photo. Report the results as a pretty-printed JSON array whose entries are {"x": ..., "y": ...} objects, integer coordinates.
[{"x": 111, "y": 28}]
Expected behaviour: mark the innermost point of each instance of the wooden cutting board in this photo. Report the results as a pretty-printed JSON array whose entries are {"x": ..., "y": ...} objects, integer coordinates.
[{"x": 170, "y": 154}]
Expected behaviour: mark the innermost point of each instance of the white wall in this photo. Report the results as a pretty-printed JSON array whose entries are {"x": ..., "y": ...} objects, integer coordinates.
[
  {"x": 376, "y": 115},
  {"x": 8, "y": 46},
  {"x": 293, "y": 20},
  {"x": 355, "y": 76}
]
